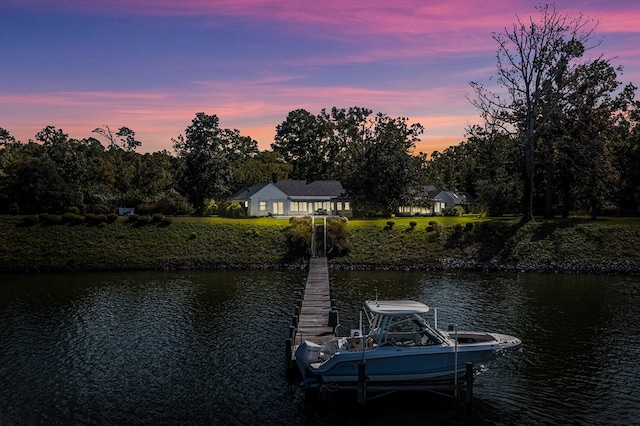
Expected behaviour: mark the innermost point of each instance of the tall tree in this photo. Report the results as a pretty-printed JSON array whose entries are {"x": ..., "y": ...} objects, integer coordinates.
[
  {"x": 594, "y": 112},
  {"x": 302, "y": 141},
  {"x": 534, "y": 60},
  {"x": 260, "y": 169},
  {"x": 128, "y": 140},
  {"x": 626, "y": 153},
  {"x": 349, "y": 131},
  {"x": 121, "y": 146},
  {"x": 210, "y": 155},
  {"x": 371, "y": 156},
  {"x": 383, "y": 176}
]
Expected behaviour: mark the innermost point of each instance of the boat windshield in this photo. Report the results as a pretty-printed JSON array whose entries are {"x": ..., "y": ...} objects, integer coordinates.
[{"x": 404, "y": 330}]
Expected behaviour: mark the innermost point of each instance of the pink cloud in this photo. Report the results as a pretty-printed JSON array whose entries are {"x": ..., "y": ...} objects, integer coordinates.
[
  {"x": 361, "y": 17},
  {"x": 253, "y": 108}
]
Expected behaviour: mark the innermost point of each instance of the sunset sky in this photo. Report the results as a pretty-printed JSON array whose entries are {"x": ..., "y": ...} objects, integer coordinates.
[{"x": 151, "y": 65}]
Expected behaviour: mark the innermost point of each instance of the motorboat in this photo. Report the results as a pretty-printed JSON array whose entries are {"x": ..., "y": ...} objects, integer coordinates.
[{"x": 400, "y": 346}]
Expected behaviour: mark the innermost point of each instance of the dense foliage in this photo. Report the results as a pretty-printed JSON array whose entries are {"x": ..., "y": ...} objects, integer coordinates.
[{"x": 561, "y": 112}]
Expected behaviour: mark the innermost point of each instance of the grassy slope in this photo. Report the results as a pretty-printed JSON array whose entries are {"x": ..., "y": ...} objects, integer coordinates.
[
  {"x": 217, "y": 242},
  {"x": 575, "y": 243},
  {"x": 186, "y": 243}
]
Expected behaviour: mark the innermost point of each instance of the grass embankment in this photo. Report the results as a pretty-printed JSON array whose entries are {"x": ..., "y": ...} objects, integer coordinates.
[
  {"x": 185, "y": 243},
  {"x": 572, "y": 245}
]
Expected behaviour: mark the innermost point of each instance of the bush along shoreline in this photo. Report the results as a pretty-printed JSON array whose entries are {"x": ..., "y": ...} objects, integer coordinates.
[{"x": 66, "y": 243}]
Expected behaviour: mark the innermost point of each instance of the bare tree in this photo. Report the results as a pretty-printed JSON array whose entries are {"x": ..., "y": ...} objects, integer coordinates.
[{"x": 534, "y": 61}]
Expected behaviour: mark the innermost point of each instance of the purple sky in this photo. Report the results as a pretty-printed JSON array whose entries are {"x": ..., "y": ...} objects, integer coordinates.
[{"x": 151, "y": 65}]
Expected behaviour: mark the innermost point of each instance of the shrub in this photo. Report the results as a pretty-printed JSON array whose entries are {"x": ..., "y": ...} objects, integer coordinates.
[
  {"x": 338, "y": 237},
  {"x": 157, "y": 218},
  {"x": 166, "y": 221},
  {"x": 142, "y": 220},
  {"x": 90, "y": 219},
  {"x": 389, "y": 225},
  {"x": 133, "y": 218},
  {"x": 468, "y": 226},
  {"x": 298, "y": 237},
  {"x": 50, "y": 219},
  {"x": 72, "y": 218},
  {"x": 173, "y": 203},
  {"x": 95, "y": 219},
  {"x": 453, "y": 211},
  {"x": 193, "y": 236},
  {"x": 234, "y": 209},
  {"x": 30, "y": 220},
  {"x": 413, "y": 224},
  {"x": 210, "y": 207},
  {"x": 434, "y": 226},
  {"x": 112, "y": 217}
]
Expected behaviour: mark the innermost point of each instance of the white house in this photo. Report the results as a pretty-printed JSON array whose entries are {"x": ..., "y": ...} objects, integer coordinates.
[
  {"x": 431, "y": 200},
  {"x": 294, "y": 198},
  {"x": 426, "y": 202}
]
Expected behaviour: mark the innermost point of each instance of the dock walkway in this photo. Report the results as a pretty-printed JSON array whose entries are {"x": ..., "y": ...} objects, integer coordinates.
[{"x": 317, "y": 317}]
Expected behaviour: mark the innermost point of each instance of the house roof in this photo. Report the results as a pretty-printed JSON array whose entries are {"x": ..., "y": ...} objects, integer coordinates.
[
  {"x": 458, "y": 197},
  {"x": 248, "y": 191},
  {"x": 303, "y": 188},
  {"x": 298, "y": 188}
]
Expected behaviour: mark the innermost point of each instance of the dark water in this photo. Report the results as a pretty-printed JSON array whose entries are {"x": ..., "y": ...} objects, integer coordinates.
[{"x": 208, "y": 348}]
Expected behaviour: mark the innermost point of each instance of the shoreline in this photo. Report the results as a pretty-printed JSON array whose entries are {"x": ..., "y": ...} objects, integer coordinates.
[
  {"x": 467, "y": 265},
  {"x": 487, "y": 245},
  {"x": 629, "y": 268}
]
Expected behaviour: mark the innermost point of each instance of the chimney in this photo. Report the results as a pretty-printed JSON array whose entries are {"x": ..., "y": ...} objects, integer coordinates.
[{"x": 274, "y": 177}]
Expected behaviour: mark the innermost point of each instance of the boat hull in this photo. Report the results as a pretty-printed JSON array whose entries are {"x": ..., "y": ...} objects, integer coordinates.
[{"x": 390, "y": 363}]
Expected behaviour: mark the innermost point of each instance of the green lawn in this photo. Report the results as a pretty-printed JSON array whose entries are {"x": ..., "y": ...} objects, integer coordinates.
[{"x": 214, "y": 242}]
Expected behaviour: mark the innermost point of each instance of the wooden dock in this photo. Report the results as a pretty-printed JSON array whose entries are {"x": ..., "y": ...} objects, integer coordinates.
[{"x": 316, "y": 318}]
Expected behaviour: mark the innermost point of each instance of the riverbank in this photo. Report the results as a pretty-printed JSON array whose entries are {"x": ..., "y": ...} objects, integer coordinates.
[{"x": 470, "y": 243}]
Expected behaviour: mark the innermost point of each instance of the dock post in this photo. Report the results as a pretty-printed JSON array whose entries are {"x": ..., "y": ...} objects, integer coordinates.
[
  {"x": 362, "y": 384},
  {"x": 333, "y": 318},
  {"x": 288, "y": 354},
  {"x": 469, "y": 390}
]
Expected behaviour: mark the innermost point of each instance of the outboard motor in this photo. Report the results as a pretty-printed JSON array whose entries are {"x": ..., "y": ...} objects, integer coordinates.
[{"x": 306, "y": 353}]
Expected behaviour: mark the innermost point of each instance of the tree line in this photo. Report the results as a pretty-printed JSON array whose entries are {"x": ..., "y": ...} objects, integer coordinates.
[
  {"x": 370, "y": 154},
  {"x": 560, "y": 135}
]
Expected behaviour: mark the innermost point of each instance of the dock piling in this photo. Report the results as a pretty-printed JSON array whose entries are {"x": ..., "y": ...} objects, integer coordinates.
[{"x": 469, "y": 387}]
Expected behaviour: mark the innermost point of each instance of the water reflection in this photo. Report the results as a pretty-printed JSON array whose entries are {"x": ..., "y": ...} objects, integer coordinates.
[{"x": 208, "y": 347}]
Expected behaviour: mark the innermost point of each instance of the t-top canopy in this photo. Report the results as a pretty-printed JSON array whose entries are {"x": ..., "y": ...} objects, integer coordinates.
[{"x": 396, "y": 307}]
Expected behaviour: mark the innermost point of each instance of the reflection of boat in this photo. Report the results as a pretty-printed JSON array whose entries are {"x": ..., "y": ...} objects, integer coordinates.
[{"x": 400, "y": 347}]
